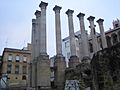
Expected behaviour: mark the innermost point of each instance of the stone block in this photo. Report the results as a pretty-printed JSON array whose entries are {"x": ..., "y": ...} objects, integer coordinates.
[
  {"x": 73, "y": 61},
  {"x": 60, "y": 66}
]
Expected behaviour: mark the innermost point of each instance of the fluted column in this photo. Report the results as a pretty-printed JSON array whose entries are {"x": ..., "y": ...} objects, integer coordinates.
[
  {"x": 71, "y": 32},
  {"x": 58, "y": 30},
  {"x": 84, "y": 38},
  {"x": 38, "y": 21},
  {"x": 101, "y": 27},
  {"x": 33, "y": 38},
  {"x": 43, "y": 49},
  {"x": 93, "y": 34}
]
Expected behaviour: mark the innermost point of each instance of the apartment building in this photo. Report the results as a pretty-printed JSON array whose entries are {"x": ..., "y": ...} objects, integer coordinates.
[{"x": 15, "y": 64}]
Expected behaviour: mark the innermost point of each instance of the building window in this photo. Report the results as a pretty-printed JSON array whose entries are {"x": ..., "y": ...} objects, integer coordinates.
[
  {"x": 24, "y": 69},
  {"x": 9, "y": 67},
  {"x": 17, "y": 69},
  {"x": 17, "y": 58},
  {"x": 24, "y": 59},
  {"x": 9, "y": 57},
  {"x": 67, "y": 44},
  {"x": 114, "y": 39},
  {"x": 23, "y": 77},
  {"x": 116, "y": 25}
]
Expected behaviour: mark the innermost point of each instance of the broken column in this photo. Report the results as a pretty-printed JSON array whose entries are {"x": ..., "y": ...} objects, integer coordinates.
[
  {"x": 103, "y": 38},
  {"x": 60, "y": 63},
  {"x": 74, "y": 60},
  {"x": 93, "y": 34},
  {"x": 84, "y": 36}
]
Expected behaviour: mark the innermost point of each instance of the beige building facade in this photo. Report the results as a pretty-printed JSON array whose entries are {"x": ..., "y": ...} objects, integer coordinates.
[{"x": 15, "y": 66}]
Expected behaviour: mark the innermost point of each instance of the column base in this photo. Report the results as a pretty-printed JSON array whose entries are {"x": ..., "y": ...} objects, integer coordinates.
[
  {"x": 34, "y": 72},
  {"x": 60, "y": 66},
  {"x": 73, "y": 61},
  {"x": 43, "y": 72}
]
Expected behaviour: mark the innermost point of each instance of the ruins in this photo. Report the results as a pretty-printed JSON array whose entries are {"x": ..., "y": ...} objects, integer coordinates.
[{"x": 98, "y": 73}]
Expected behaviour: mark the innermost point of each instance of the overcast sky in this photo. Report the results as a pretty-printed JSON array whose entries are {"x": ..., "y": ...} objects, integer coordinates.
[{"x": 16, "y": 17}]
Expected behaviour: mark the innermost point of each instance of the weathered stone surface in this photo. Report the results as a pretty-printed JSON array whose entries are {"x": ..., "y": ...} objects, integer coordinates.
[
  {"x": 71, "y": 32},
  {"x": 93, "y": 34},
  {"x": 43, "y": 72},
  {"x": 106, "y": 69},
  {"x": 57, "y": 9},
  {"x": 60, "y": 66},
  {"x": 34, "y": 71},
  {"x": 84, "y": 38},
  {"x": 73, "y": 61},
  {"x": 101, "y": 27},
  {"x": 82, "y": 73}
]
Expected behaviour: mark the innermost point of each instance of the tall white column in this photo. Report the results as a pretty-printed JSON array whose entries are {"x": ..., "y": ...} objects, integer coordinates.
[
  {"x": 101, "y": 27},
  {"x": 71, "y": 32},
  {"x": 84, "y": 38},
  {"x": 93, "y": 34},
  {"x": 43, "y": 49},
  {"x": 33, "y": 38},
  {"x": 38, "y": 21},
  {"x": 58, "y": 30}
]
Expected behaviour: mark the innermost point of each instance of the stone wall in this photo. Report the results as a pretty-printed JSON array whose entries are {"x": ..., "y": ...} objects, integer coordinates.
[{"x": 106, "y": 69}]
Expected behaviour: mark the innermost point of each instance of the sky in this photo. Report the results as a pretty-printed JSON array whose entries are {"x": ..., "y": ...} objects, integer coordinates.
[{"x": 16, "y": 19}]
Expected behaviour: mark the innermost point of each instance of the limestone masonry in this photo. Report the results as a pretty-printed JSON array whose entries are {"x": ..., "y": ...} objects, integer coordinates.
[{"x": 92, "y": 65}]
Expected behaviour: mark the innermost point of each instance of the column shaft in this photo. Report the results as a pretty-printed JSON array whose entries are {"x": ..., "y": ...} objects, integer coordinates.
[
  {"x": 33, "y": 39},
  {"x": 103, "y": 38},
  {"x": 71, "y": 32},
  {"x": 38, "y": 31},
  {"x": 58, "y": 30},
  {"x": 84, "y": 38},
  {"x": 43, "y": 49},
  {"x": 93, "y": 34}
]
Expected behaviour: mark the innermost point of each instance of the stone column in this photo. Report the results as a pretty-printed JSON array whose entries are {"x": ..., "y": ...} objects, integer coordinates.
[
  {"x": 58, "y": 30},
  {"x": 43, "y": 49},
  {"x": 80, "y": 48},
  {"x": 71, "y": 32},
  {"x": 38, "y": 14},
  {"x": 34, "y": 53},
  {"x": 74, "y": 60},
  {"x": 33, "y": 38},
  {"x": 84, "y": 38},
  {"x": 93, "y": 34},
  {"x": 43, "y": 62},
  {"x": 60, "y": 63},
  {"x": 29, "y": 75},
  {"x": 103, "y": 38}
]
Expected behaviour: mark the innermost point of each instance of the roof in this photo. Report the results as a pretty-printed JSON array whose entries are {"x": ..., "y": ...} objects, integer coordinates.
[
  {"x": 76, "y": 34},
  {"x": 98, "y": 34},
  {"x": 16, "y": 50},
  {"x": 112, "y": 30}
]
